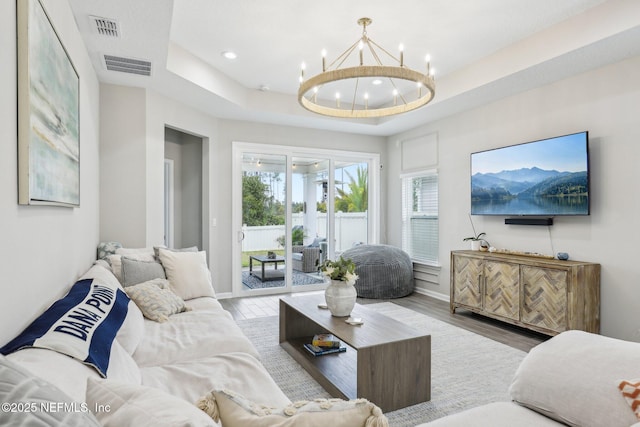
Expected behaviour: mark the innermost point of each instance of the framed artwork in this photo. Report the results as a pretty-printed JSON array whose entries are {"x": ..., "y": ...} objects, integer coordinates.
[{"x": 48, "y": 113}]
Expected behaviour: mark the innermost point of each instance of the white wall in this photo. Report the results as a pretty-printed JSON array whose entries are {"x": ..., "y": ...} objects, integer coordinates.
[
  {"x": 44, "y": 249},
  {"x": 604, "y": 102},
  {"x": 217, "y": 135},
  {"x": 123, "y": 165}
]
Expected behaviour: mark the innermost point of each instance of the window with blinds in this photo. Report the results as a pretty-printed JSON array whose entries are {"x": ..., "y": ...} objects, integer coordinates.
[{"x": 420, "y": 216}]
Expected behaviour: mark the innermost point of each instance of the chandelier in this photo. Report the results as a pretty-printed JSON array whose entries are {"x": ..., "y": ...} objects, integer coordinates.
[{"x": 348, "y": 88}]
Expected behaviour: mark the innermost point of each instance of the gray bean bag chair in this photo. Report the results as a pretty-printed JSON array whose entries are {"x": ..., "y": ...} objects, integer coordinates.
[{"x": 384, "y": 271}]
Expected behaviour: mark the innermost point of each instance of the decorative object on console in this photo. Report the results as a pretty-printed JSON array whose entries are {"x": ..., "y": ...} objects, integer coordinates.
[
  {"x": 477, "y": 242},
  {"x": 392, "y": 87},
  {"x": 562, "y": 256},
  {"x": 48, "y": 113},
  {"x": 340, "y": 294}
]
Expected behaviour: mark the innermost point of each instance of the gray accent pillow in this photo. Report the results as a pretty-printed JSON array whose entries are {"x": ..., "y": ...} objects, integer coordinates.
[
  {"x": 136, "y": 271},
  {"x": 35, "y": 402}
]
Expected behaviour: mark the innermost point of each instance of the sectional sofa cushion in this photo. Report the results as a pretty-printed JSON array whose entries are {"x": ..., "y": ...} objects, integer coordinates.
[
  {"x": 140, "y": 406},
  {"x": 239, "y": 371},
  {"x": 188, "y": 273},
  {"x": 31, "y": 401},
  {"x": 573, "y": 378},
  {"x": 234, "y": 410},
  {"x": 83, "y": 324},
  {"x": 206, "y": 331},
  {"x": 496, "y": 414}
]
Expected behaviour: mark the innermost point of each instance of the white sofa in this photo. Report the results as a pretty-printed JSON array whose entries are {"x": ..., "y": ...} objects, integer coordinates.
[
  {"x": 94, "y": 357},
  {"x": 571, "y": 379},
  {"x": 156, "y": 369}
]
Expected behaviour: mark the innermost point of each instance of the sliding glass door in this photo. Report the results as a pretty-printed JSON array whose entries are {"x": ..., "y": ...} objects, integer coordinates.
[
  {"x": 264, "y": 217},
  {"x": 295, "y": 208}
]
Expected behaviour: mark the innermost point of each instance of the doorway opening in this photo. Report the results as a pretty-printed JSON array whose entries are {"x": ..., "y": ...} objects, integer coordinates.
[{"x": 183, "y": 190}]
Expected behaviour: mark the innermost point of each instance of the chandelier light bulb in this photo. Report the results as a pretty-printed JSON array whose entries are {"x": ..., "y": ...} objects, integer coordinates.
[
  {"x": 401, "y": 47},
  {"x": 324, "y": 59},
  {"x": 302, "y": 67}
]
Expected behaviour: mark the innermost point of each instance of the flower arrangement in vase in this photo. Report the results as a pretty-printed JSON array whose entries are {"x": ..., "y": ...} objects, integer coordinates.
[{"x": 341, "y": 293}]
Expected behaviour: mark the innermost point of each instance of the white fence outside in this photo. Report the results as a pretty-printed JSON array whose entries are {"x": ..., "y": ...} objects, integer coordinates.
[{"x": 350, "y": 228}]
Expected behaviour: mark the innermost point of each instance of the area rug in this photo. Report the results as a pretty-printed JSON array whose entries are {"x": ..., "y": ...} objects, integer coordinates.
[
  {"x": 299, "y": 278},
  {"x": 467, "y": 369}
]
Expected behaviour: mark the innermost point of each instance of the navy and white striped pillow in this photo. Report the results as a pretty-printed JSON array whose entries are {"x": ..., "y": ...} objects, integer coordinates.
[{"x": 82, "y": 325}]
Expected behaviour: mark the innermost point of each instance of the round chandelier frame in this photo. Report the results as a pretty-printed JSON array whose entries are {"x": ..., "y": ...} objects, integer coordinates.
[{"x": 308, "y": 90}]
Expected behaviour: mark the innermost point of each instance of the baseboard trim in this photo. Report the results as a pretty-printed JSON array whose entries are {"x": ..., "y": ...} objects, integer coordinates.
[
  {"x": 224, "y": 295},
  {"x": 432, "y": 294}
]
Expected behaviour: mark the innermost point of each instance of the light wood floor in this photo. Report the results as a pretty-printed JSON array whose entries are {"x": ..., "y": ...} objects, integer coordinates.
[{"x": 522, "y": 339}]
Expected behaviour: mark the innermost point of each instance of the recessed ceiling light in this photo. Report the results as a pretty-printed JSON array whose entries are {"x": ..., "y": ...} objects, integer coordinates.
[
  {"x": 229, "y": 54},
  {"x": 377, "y": 82}
]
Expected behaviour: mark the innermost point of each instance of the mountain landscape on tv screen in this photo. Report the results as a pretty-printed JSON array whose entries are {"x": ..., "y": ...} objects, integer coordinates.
[{"x": 529, "y": 191}]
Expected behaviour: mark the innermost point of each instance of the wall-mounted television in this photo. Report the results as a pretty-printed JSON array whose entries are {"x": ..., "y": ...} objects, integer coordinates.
[{"x": 549, "y": 177}]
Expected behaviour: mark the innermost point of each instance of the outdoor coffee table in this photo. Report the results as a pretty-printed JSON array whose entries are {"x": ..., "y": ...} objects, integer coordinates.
[
  {"x": 266, "y": 275},
  {"x": 386, "y": 362}
]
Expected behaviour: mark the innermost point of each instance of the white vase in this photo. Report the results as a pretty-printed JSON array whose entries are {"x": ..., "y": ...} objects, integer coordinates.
[
  {"x": 475, "y": 245},
  {"x": 340, "y": 297}
]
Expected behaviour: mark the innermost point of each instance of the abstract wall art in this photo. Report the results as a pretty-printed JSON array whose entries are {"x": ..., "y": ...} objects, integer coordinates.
[{"x": 48, "y": 113}]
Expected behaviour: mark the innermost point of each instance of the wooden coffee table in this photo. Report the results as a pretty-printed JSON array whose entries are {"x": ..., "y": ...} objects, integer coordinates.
[{"x": 386, "y": 362}]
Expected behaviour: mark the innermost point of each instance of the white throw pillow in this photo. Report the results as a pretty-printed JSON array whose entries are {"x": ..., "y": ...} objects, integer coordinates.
[
  {"x": 120, "y": 404},
  {"x": 188, "y": 273},
  {"x": 573, "y": 376},
  {"x": 235, "y": 410}
]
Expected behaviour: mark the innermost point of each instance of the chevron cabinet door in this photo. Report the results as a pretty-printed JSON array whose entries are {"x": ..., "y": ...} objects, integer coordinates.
[
  {"x": 467, "y": 279},
  {"x": 544, "y": 301},
  {"x": 502, "y": 289}
]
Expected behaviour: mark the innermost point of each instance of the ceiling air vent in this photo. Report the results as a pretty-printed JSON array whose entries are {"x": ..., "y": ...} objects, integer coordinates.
[
  {"x": 127, "y": 65},
  {"x": 105, "y": 26}
]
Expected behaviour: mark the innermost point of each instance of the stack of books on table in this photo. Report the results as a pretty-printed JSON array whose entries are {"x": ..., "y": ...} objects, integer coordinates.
[{"x": 324, "y": 344}]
